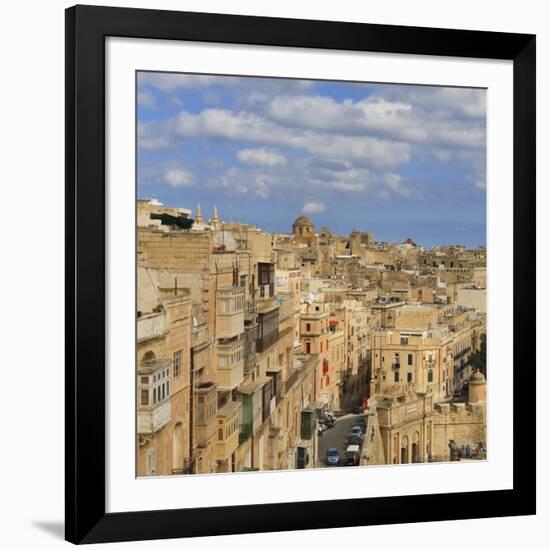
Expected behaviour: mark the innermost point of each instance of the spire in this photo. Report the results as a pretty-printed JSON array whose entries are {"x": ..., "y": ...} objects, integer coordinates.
[
  {"x": 215, "y": 219},
  {"x": 198, "y": 214}
]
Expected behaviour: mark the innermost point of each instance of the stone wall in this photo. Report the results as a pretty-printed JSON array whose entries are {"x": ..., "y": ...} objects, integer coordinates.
[
  {"x": 373, "y": 446},
  {"x": 464, "y": 424}
]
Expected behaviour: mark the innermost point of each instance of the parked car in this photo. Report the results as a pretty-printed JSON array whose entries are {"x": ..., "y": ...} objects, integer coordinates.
[
  {"x": 357, "y": 410},
  {"x": 354, "y": 440},
  {"x": 352, "y": 455},
  {"x": 361, "y": 422},
  {"x": 357, "y": 430},
  {"x": 333, "y": 457}
]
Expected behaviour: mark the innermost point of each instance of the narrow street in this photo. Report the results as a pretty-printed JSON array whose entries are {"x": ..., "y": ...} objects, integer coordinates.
[{"x": 335, "y": 437}]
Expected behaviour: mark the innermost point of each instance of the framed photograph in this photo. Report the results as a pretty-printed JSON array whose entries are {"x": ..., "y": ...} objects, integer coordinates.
[{"x": 300, "y": 262}]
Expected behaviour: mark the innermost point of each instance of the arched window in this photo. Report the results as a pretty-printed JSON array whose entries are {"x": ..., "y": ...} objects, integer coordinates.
[{"x": 148, "y": 357}]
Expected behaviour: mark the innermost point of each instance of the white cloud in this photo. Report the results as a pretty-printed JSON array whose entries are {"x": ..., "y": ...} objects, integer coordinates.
[
  {"x": 177, "y": 177},
  {"x": 225, "y": 124},
  {"x": 313, "y": 207},
  {"x": 243, "y": 182},
  {"x": 347, "y": 117},
  {"x": 399, "y": 120},
  {"x": 357, "y": 145},
  {"x": 260, "y": 157}
]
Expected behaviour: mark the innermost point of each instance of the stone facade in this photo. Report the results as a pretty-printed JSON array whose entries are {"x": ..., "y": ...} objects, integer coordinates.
[{"x": 245, "y": 338}]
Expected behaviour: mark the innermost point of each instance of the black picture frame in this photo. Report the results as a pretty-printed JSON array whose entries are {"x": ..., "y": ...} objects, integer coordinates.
[{"x": 86, "y": 30}]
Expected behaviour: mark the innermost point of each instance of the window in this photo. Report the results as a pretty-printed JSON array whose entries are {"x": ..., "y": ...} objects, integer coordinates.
[
  {"x": 145, "y": 397},
  {"x": 161, "y": 390},
  {"x": 404, "y": 340},
  {"x": 177, "y": 363},
  {"x": 410, "y": 359},
  {"x": 409, "y": 377},
  {"x": 321, "y": 348},
  {"x": 308, "y": 347},
  {"x": 430, "y": 376},
  {"x": 145, "y": 380},
  {"x": 396, "y": 377}
]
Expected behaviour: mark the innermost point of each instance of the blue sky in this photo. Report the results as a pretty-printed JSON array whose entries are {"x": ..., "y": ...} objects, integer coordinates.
[{"x": 399, "y": 161}]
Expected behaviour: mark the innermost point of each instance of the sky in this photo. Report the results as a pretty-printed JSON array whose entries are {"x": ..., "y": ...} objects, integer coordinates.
[{"x": 400, "y": 161}]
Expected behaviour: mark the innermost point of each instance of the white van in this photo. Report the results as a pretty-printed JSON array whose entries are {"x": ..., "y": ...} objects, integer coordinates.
[{"x": 352, "y": 455}]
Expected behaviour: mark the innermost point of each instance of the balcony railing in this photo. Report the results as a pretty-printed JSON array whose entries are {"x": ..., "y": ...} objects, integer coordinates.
[{"x": 267, "y": 291}]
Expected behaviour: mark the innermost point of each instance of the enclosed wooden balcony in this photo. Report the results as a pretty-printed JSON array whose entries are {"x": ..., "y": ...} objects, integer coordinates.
[
  {"x": 230, "y": 368},
  {"x": 205, "y": 413},
  {"x": 230, "y": 311},
  {"x": 151, "y": 326},
  {"x": 227, "y": 424},
  {"x": 154, "y": 410}
]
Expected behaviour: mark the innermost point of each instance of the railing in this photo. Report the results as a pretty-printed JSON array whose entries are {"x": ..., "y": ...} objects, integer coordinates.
[{"x": 267, "y": 291}]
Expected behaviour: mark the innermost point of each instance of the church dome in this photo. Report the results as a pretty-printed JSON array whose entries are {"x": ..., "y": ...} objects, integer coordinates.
[{"x": 302, "y": 221}]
